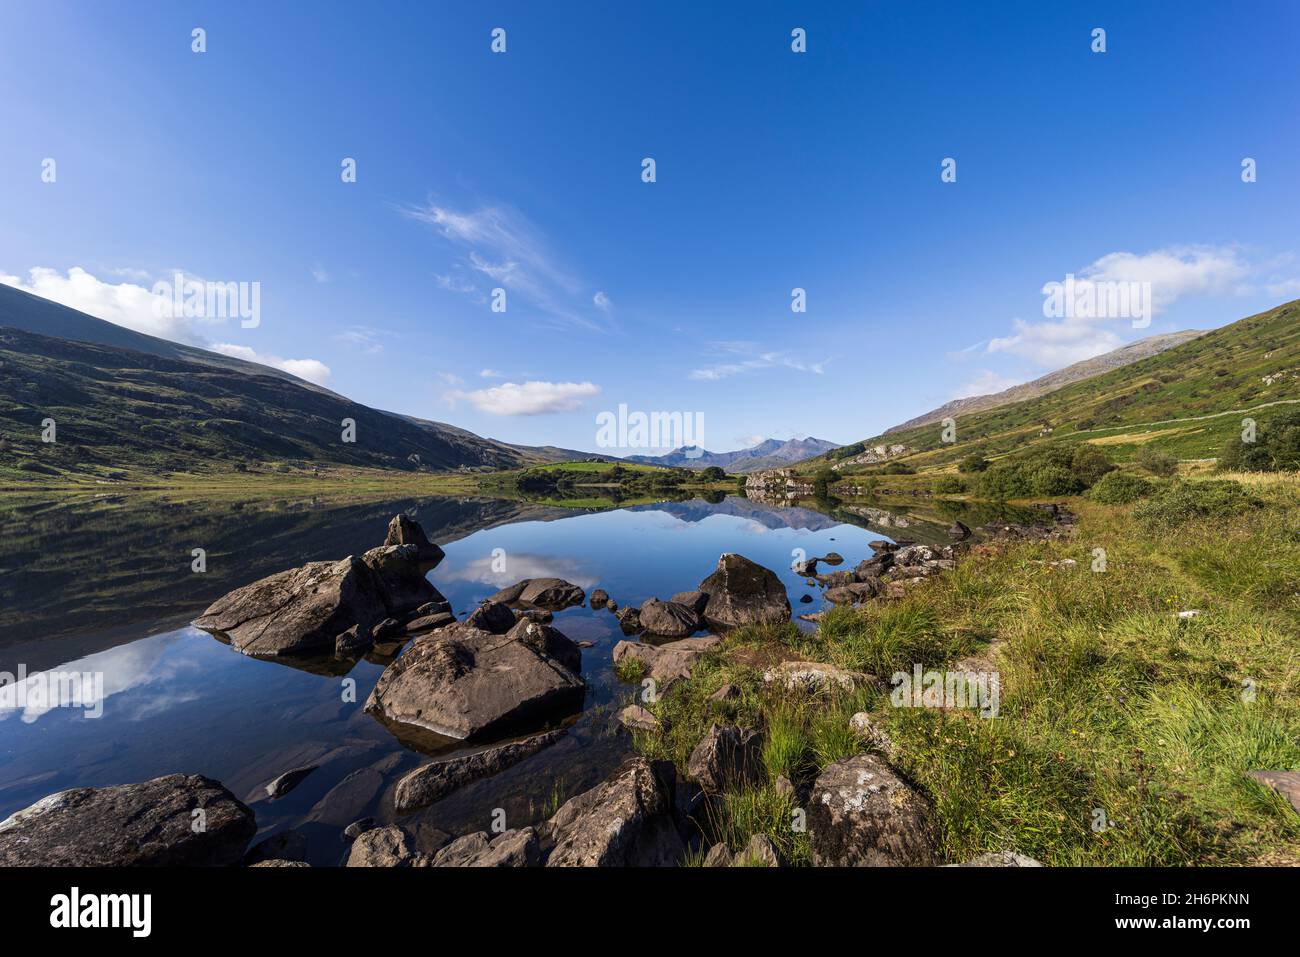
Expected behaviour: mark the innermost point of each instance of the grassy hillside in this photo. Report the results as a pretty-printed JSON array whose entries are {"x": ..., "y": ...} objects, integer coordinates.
[
  {"x": 1188, "y": 401},
  {"x": 128, "y": 415}
]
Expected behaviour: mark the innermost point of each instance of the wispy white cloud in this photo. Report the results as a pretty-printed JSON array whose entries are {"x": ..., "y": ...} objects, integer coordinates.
[
  {"x": 365, "y": 339},
  {"x": 491, "y": 374},
  {"x": 602, "y": 302},
  {"x": 132, "y": 306},
  {"x": 502, "y": 244},
  {"x": 319, "y": 273},
  {"x": 527, "y": 398},
  {"x": 740, "y": 358}
]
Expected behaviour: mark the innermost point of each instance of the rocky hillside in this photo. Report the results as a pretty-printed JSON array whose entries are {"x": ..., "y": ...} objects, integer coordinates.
[{"x": 1116, "y": 359}]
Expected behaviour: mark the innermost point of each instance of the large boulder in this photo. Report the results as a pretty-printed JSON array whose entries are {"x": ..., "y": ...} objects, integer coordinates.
[
  {"x": 742, "y": 592},
  {"x": 465, "y": 683},
  {"x": 492, "y": 616},
  {"x": 400, "y": 576},
  {"x": 862, "y": 814},
  {"x": 180, "y": 820},
  {"x": 726, "y": 756},
  {"x": 432, "y": 782},
  {"x": 301, "y": 611},
  {"x": 626, "y": 821},
  {"x": 553, "y": 594},
  {"x": 403, "y": 530},
  {"x": 668, "y": 619}
]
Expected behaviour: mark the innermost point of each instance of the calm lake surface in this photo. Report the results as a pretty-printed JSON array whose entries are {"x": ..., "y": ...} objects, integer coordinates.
[{"x": 106, "y": 587}]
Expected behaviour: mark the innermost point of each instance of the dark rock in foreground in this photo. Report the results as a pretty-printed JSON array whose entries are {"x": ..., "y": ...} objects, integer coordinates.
[
  {"x": 406, "y": 531},
  {"x": 152, "y": 824},
  {"x": 726, "y": 756},
  {"x": 742, "y": 592},
  {"x": 862, "y": 814},
  {"x": 627, "y": 821},
  {"x": 465, "y": 683},
  {"x": 514, "y": 848}
]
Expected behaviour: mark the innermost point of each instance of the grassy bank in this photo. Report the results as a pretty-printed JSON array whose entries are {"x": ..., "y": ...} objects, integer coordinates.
[{"x": 1124, "y": 732}]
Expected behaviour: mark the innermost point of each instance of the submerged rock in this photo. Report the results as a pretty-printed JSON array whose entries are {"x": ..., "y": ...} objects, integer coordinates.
[
  {"x": 465, "y": 683},
  {"x": 742, "y": 592},
  {"x": 862, "y": 813},
  {"x": 638, "y": 718},
  {"x": 288, "y": 781},
  {"x": 434, "y": 781},
  {"x": 151, "y": 824},
  {"x": 627, "y": 821}
]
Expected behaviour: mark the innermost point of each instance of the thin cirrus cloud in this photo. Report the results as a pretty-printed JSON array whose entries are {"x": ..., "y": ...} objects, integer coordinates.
[
  {"x": 133, "y": 306},
  {"x": 527, "y": 398},
  {"x": 741, "y": 358},
  {"x": 987, "y": 382},
  {"x": 502, "y": 245},
  {"x": 1174, "y": 273}
]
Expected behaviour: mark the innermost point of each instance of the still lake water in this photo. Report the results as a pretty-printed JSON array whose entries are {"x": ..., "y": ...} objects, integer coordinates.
[{"x": 106, "y": 587}]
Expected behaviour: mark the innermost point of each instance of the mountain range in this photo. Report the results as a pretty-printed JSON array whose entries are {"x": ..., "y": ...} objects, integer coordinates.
[{"x": 768, "y": 454}]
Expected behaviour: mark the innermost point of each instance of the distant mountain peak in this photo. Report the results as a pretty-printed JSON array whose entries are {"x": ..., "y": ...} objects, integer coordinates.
[{"x": 769, "y": 453}]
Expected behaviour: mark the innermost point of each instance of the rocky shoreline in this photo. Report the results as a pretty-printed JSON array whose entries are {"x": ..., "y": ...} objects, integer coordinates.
[{"x": 500, "y": 687}]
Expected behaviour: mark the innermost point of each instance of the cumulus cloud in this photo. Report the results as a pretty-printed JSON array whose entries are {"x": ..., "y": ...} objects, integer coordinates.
[
  {"x": 132, "y": 305},
  {"x": 986, "y": 383},
  {"x": 1171, "y": 274},
  {"x": 527, "y": 398},
  {"x": 502, "y": 244}
]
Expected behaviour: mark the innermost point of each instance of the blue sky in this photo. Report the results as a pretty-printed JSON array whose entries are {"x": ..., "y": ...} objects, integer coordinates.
[{"x": 775, "y": 170}]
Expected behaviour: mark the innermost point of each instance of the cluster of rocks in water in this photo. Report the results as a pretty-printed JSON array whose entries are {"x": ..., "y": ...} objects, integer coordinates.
[{"x": 504, "y": 680}]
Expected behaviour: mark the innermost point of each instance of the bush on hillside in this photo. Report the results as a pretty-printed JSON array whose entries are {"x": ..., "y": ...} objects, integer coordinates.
[
  {"x": 1002, "y": 482},
  {"x": 973, "y": 463},
  {"x": 1120, "y": 488},
  {"x": 1181, "y": 502},
  {"x": 1276, "y": 447},
  {"x": 1158, "y": 463},
  {"x": 1089, "y": 463}
]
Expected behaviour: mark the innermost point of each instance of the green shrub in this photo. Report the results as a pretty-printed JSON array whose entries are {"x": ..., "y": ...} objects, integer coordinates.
[
  {"x": 1002, "y": 482},
  {"x": 973, "y": 463},
  {"x": 1089, "y": 463},
  {"x": 1157, "y": 462},
  {"x": 1276, "y": 447},
  {"x": 949, "y": 485},
  {"x": 1054, "y": 480},
  {"x": 1181, "y": 502},
  {"x": 1120, "y": 488}
]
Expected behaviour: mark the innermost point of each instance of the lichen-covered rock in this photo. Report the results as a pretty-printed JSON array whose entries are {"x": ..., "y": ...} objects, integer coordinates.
[
  {"x": 514, "y": 848},
  {"x": 862, "y": 813},
  {"x": 667, "y": 663}
]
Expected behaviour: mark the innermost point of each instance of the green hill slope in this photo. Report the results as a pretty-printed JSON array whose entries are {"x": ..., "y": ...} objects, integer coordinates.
[{"x": 1188, "y": 401}]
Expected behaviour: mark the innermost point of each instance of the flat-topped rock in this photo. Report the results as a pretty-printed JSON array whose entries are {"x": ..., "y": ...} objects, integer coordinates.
[{"x": 742, "y": 592}]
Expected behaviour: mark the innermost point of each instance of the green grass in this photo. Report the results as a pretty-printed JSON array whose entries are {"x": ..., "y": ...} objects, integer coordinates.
[{"x": 1124, "y": 733}]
